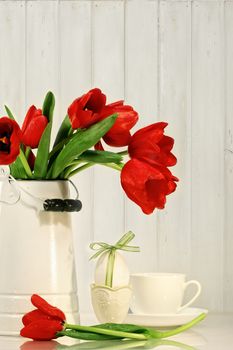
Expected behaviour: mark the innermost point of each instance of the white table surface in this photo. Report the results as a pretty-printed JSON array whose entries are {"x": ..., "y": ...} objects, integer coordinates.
[{"x": 214, "y": 333}]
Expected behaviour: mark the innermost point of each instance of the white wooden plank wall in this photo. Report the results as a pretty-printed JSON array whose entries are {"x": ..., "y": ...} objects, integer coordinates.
[
  {"x": 208, "y": 127},
  {"x": 174, "y": 106},
  {"x": 76, "y": 72},
  {"x": 228, "y": 218},
  {"x": 141, "y": 58},
  {"x": 171, "y": 60}
]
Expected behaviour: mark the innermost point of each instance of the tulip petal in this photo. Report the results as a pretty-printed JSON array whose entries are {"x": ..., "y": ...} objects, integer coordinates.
[
  {"x": 84, "y": 111},
  {"x": 117, "y": 139},
  {"x": 36, "y": 315},
  {"x": 99, "y": 146},
  {"x": 145, "y": 185},
  {"x": 10, "y": 138},
  {"x": 150, "y": 145},
  {"x": 119, "y": 134},
  {"x": 29, "y": 116},
  {"x": 46, "y": 308},
  {"x": 42, "y": 329},
  {"x": 33, "y": 127},
  {"x": 96, "y": 101},
  {"x": 156, "y": 130}
]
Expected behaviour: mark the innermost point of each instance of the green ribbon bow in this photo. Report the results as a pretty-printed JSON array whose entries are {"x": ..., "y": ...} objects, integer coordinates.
[{"x": 102, "y": 247}]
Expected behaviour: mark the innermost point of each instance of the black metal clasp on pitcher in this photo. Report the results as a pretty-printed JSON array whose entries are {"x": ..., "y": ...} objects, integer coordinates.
[
  {"x": 68, "y": 205},
  {"x": 63, "y": 205}
]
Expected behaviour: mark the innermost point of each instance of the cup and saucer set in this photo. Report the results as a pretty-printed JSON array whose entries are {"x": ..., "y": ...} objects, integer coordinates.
[{"x": 157, "y": 300}]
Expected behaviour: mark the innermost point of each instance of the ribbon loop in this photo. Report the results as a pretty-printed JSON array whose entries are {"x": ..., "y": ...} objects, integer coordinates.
[{"x": 122, "y": 244}]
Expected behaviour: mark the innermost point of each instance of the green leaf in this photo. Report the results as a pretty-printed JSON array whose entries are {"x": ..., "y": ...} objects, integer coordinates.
[
  {"x": 129, "y": 328},
  {"x": 63, "y": 131},
  {"x": 17, "y": 170},
  {"x": 41, "y": 162},
  {"x": 61, "y": 139},
  {"x": 80, "y": 143},
  {"x": 9, "y": 113},
  {"x": 100, "y": 157},
  {"x": 48, "y": 106},
  {"x": 106, "y": 331},
  {"x": 25, "y": 164}
]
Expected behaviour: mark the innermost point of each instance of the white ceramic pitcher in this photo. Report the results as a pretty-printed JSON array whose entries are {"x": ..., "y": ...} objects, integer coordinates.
[{"x": 36, "y": 254}]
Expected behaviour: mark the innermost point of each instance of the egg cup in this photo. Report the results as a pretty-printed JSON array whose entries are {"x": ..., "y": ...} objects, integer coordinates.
[{"x": 110, "y": 304}]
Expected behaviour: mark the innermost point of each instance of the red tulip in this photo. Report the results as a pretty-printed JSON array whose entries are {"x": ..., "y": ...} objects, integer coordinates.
[
  {"x": 119, "y": 134},
  {"x": 42, "y": 329},
  {"x": 152, "y": 146},
  {"x": 85, "y": 110},
  {"x": 44, "y": 322},
  {"x": 33, "y": 127},
  {"x": 147, "y": 185},
  {"x": 10, "y": 137}
]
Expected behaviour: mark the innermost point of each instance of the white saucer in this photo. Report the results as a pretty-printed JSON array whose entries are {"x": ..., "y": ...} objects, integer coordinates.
[{"x": 165, "y": 320}]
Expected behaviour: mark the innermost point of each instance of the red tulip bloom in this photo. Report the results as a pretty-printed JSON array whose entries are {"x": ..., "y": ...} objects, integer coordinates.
[
  {"x": 147, "y": 185},
  {"x": 44, "y": 322},
  {"x": 85, "y": 110},
  {"x": 10, "y": 137},
  {"x": 33, "y": 127},
  {"x": 119, "y": 134},
  {"x": 152, "y": 146}
]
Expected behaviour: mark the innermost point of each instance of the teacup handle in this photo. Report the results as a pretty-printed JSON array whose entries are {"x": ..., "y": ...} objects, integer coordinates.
[{"x": 195, "y": 296}]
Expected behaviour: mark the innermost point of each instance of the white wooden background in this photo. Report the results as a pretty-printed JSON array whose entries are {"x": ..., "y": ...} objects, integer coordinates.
[{"x": 171, "y": 60}]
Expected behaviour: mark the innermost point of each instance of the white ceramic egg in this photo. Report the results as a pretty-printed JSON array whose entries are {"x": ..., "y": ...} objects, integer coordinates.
[{"x": 120, "y": 271}]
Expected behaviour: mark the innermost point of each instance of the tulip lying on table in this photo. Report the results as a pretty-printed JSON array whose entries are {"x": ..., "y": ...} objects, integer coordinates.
[{"x": 47, "y": 322}]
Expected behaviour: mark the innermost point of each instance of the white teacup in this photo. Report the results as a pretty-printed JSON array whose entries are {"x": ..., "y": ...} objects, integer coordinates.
[{"x": 160, "y": 293}]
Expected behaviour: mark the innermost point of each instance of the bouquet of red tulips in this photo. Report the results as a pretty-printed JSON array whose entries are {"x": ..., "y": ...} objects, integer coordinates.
[{"x": 90, "y": 125}]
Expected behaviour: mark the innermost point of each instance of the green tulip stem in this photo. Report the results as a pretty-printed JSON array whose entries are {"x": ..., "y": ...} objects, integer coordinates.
[
  {"x": 123, "y": 153},
  {"x": 89, "y": 164},
  {"x": 73, "y": 166},
  {"x": 114, "y": 166},
  {"x": 27, "y": 152},
  {"x": 81, "y": 168},
  {"x": 109, "y": 332},
  {"x": 25, "y": 164},
  {"x": 182, "y": 328}
]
